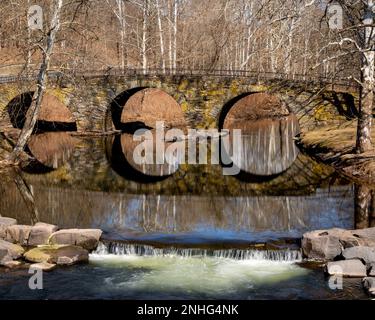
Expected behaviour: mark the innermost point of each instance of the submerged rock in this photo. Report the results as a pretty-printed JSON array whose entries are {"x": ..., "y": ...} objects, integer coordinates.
[
  {"x": 12, "y": 264},
  {"x": 369, "y": 285},
  {"x": 346, "y": 268},
  {"x": 44, "y": 266},
  {"x": 4, "y": 224},
  {"x": 40, "y": 233},
  {"x": 18, "y": 234},
  {"x": 57, "y": 254},
  {"x": 85, "y": 238},
  {"x": 366, "y": 254}
]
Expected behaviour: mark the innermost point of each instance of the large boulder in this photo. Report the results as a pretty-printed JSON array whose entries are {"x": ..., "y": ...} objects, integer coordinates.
[
  {"x": 4, "y": 224},
  {"x": 14, "y": 251},
  {"x": 366, "y": 254},
  {"x": 18, "y": 234},
  {"x": 85, "y": 238},
  {"x": 369, "y": 285},
  {"x": 9, "y": 252},
  {"x": 57, "y": 254},
  {"x": 346, "y": 268},
  {"x": 40, "y": 233},
  {"x": 366, "y": 237},
  {"x": 323, "y": 244},
  {"x": 328, "y": 244}
]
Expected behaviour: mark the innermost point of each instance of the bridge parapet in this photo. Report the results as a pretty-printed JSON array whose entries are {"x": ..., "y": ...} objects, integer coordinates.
[{"x": 202, "y": 94}]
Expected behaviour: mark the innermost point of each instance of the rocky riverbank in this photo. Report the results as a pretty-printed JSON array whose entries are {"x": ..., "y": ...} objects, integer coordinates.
[
  {"x": 44, "y": 245},
  {"x": 346, "y": 253}
]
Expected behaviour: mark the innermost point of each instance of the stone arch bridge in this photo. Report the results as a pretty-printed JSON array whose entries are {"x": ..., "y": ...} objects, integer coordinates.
[{"x": 202, "y": 95}]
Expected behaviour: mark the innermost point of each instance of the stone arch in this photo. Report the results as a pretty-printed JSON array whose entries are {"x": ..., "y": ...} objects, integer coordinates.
[
  {"x": 252, "y": 106},
  {"x": 149, "y": 105},
  {"x": 53, "y": 116},
  {"x": 113, "y": 114}
]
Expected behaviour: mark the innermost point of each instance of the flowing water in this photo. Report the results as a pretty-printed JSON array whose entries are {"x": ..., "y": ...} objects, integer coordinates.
[{"x": 186, "y": 233}]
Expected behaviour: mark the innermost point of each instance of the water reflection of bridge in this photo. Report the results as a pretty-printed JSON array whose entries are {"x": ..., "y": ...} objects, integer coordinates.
[{"x": 130, "y": 215}]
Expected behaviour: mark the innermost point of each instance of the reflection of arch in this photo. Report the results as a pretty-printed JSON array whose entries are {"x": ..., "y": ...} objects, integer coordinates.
[
  {"x": 121, "y": 165},
  {"x": 50, "y": 151},
  {"x": 53, "y": 115},
  {"x": 267, "y": 132},
  {"x": 116, "y": 106}
]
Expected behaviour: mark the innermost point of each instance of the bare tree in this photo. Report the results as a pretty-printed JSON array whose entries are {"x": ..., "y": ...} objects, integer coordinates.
[
  {"x": 357, "y": 38},
  {"x": 33, "y": 111}
]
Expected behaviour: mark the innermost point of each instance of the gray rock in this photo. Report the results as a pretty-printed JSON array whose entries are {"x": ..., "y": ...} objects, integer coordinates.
[
  {"x": 371, "y": 270},
  {"x": 40, "y": 233},
  {"x": 85, "y": 238},
  {"x": 4, "y": 224},
  {"x": 57, "y": 254},
  {"x": 369, "y": 285},
  {"x": 346, "y": 268},
  {"x": 366, "y": 254},
  {"x": 4, "y": 257},
  {"x": 9, "y": 252},
  {"x": 14, "y": 251},
  {"x": 323, "y": 244},
  {"x": 368, "y": 233},
  {"x": 365, "y": 237},
  {"x": 18, "y": 234}
]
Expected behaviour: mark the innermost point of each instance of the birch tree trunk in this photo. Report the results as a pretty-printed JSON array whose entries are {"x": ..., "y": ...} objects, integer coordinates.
[
  {"x": 144, "y": 38},
  {"x": 175, "y": 34},
  {"x": 121, "y": 18},
  {"x": 367, "y": 91},
  {"x": 160, "y": 37},
  {"x": 33, "y": 111},
  {"x": 170, "y": 34}
]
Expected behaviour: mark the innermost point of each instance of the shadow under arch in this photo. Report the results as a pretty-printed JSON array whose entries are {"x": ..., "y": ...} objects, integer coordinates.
[
  {"x": 17, "y": 109},
  {"x": 121, "y": 166},
  {"x": 115, "y": 108},
  {"x": 228, "y": 105}
]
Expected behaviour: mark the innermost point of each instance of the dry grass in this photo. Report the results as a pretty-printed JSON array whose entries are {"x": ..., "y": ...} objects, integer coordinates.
[{"x": 336, "y": 145}]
